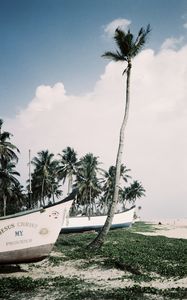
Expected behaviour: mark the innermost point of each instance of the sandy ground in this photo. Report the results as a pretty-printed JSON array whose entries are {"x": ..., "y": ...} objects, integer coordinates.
[
  {"x": 173, "y": 228},
  {"x": 102, "y": 277}
]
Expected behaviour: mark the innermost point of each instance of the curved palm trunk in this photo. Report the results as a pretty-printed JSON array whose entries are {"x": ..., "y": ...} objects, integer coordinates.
[{"x": 99, "y": 240}]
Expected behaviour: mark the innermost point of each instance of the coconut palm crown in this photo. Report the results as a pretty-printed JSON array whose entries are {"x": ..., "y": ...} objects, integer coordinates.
[
  {"x": 7, "y": 149},
  {"x": 128, "y": 46}
]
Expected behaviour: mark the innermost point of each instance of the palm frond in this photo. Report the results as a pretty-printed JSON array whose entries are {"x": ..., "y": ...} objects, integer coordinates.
[
  {"x": 114, "y": 56},
  {"x": 127, "y": 46},
  {"x": 141, "y": 40},
  {"x": 122, "y": 42},
  {"x": 1, "y": 122}
]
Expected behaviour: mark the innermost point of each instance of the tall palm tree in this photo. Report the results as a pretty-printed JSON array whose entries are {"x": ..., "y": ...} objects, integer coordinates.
[
  {"x": 124, "y": 196},
  {"x": 109, "y": 183},
  {"x": 8, "y": 158},
  {"x": 136, "y": 190},
  {"x": 7, "y": 149},
  {"x": 87, "y": 182},
  {"x": 44, "y": 178},
  {"x": 68, "y": 166},
  {"x": 108, "y": 188},
  {"x": 18, "y": 199},
  {"x": 128, "y": 48},
  {"x": 8, "y": 181},
  {"x": 131, "y": 193}
]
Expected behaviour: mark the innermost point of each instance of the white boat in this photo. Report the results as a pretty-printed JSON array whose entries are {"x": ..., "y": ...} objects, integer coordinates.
[
  {"x": 84, "y": 223},
  {"x": 29, "y": 236}
]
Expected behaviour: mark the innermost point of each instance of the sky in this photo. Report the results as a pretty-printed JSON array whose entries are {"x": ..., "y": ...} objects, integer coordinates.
[{"x": 57, "y": 91}]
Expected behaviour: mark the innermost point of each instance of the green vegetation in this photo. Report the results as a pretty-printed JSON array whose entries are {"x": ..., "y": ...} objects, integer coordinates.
[
  {"x": 142, "y": 227},
  {"x": 49, "y": 174},
  {"x": 132, "y": 252},
  {"x": 11, "y": 193},
  {"x": 60, "y": 288},
  {"x": 26, "y": 287},
  {"x": 142, "y": 258}
]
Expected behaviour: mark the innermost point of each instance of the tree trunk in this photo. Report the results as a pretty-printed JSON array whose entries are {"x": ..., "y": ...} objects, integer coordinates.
[
  {"x": 4, "y": 205},
  {"x": 99, "y": 240},
  {"x": 107, "y": 203},
  {"x": 90, "y": 204},
  {"x": 42, "y": 203},
  {"x": 53, "y": 198},
  {"x": 124, "y": 204},
  {"x": 70, "y": 181}
]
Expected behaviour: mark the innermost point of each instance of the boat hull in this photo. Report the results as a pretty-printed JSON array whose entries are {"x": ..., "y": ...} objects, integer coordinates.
[
  {"x": 83, "y": 223},
  {"x": 30, "y": 236},
  {"x": 28, "y": 255}
]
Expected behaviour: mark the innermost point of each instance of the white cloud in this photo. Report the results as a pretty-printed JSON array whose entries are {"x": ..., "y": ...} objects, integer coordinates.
[
  {"x": 172, "y": 43},
  {"x": 185, "y": 25},
  {"x": 110, "y": 28},
  {"x": 155, "y": 144}
]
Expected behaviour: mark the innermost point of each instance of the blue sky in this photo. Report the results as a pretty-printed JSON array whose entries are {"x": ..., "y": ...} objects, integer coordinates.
[
  {"x": 57, "y": 91},
  {"x": 46, "y": 41}
]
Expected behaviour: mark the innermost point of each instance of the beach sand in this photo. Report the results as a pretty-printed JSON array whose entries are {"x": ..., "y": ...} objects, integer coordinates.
[
  {"x": 107, "y": 278},
  {"x": 172, "y": 228}
]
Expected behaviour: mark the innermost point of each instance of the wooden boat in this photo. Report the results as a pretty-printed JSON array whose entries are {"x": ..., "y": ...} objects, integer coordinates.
[
  {"x": 84, "y": 223},
  {"x": 29, "y": 236}
]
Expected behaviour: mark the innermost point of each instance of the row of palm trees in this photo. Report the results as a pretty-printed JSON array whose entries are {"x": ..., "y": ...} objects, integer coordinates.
[
  {"x": 11, "y": 191},
  {"x": 50, "y": 176},
  {"x": 95, "y": 185}
]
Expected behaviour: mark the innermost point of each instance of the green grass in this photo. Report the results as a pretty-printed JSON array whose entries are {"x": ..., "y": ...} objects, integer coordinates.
[
  {"x": 61, "y": 288},
  {"x": 131, "y": 252},
  {"x": 142, "y": 258},
  {"x": 142, "y": 227},
  {"x": 26, "y": 287}
]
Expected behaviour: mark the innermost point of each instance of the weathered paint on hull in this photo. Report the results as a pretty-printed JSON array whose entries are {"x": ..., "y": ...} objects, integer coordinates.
[
  {"x": 33, "y": 254},
  {"x": 29, "y": 236}
]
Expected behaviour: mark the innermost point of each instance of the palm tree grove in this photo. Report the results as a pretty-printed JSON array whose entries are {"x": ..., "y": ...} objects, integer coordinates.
[{"x": 52, "y": 177}]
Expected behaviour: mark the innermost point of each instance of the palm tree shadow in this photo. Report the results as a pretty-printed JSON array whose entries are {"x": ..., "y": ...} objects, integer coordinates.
[{"x": 7, "y": 269}]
